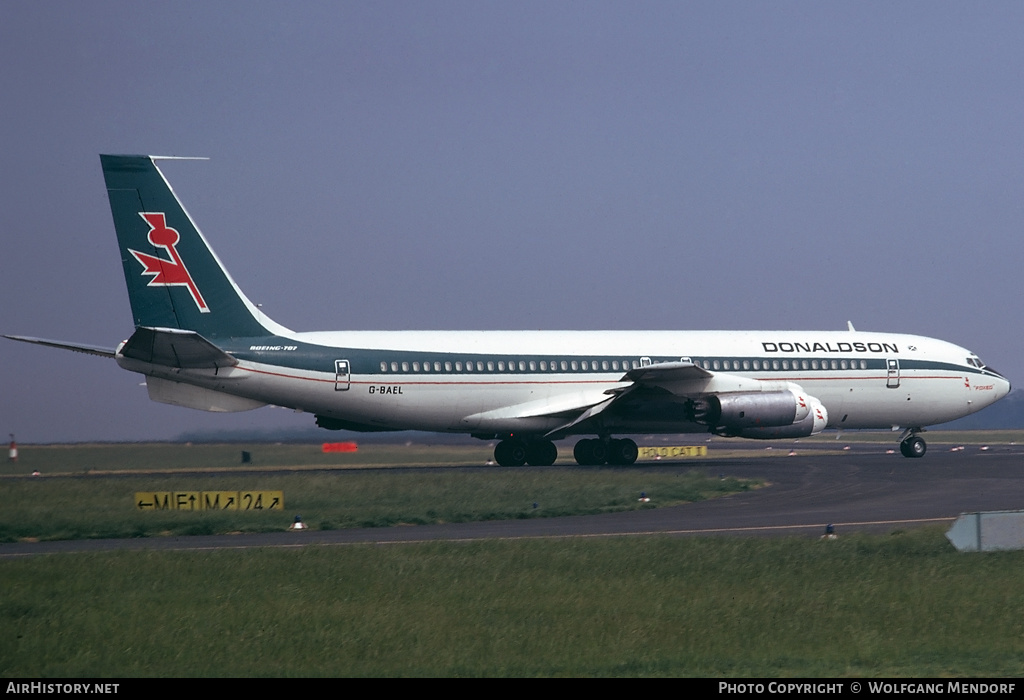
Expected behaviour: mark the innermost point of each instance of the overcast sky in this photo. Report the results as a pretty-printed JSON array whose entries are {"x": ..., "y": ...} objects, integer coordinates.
[{"x": 492, "y": 165}]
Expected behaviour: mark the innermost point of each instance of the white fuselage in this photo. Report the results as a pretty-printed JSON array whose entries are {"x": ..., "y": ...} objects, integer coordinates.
[{"x": 509, "y": 382}]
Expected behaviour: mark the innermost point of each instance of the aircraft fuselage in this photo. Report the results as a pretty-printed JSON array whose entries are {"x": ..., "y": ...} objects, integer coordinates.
[{"x": 458, "y": 381}]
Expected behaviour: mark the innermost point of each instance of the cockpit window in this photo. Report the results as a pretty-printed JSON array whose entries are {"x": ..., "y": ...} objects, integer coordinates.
[{"x": 975, "y": 361}]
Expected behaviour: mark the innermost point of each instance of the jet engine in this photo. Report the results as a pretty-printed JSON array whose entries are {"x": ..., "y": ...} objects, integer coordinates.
[{"x": 763, "y": 415}]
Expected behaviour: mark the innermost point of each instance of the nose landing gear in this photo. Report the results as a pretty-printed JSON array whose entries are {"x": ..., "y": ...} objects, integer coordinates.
[{"x": 913, "y": 445}]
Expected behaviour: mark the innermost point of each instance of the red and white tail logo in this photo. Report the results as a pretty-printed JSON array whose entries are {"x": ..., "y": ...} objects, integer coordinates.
[{"x": 166, "y": 273}]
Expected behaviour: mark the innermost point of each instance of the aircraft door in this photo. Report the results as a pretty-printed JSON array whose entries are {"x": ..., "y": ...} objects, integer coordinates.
[
  {"x": 342, "y": 375},
  {"x": 893, "y": 367}
]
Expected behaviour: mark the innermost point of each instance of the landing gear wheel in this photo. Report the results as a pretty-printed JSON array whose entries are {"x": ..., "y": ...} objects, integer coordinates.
[
  {"x": 622, "y": 452},
  {"x": 913, "y": 447},
  {"x": 581, "y": 453},
  {"x": 590, "y": 453},
  {"x": 541, "y": 453},
  {"x": 510, "y": 453}
]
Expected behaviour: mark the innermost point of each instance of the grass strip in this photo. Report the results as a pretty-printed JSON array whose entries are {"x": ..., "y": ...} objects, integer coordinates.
[
  {"x": 104, "y": 507},
  {"x": 902, "y": 605}
]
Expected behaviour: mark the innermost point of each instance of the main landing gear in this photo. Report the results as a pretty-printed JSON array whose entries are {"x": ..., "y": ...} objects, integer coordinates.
[
  {"x": 913, "y": 445},
  {"x": 516, "y": 453},
  {"x": 543, "y": 453},
  {"x": 594, "y": 452}
]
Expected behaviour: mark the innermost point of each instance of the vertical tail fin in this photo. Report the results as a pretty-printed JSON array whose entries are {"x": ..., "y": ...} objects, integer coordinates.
[{"x": 174, "y": 278}]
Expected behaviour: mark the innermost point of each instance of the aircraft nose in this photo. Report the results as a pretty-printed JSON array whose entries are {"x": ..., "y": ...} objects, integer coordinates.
[{"x": 1001, "y": 387}]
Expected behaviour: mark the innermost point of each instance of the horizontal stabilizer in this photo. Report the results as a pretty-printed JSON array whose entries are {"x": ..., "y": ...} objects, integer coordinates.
[
  {"x": 171, "y": 347},
  {"x": 76, "y": 347}
]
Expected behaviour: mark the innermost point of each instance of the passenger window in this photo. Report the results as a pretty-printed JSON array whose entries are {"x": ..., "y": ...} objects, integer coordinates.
[
  {"x": 448, "y": 367},
  {"x": 405, "y": 366},
  {"x": 383, "y": 366}
]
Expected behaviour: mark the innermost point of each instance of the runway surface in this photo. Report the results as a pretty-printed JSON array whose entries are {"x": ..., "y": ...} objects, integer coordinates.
[{"x": 861, "y": 490}]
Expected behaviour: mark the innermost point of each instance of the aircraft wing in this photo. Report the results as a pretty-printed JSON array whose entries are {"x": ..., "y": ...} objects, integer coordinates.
[
  {"x": 667, "y": 379},
  {"x": 665, "y": 383},
  {"x": 64, "y": 345},
  {"x": 675, "y": 378},
  {"x": 175, "y": 348},
  {"x": 568, "y": 405}
]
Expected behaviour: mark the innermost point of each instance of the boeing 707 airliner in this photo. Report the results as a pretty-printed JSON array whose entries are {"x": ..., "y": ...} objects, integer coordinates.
[{"x": 202, "y": 344}]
